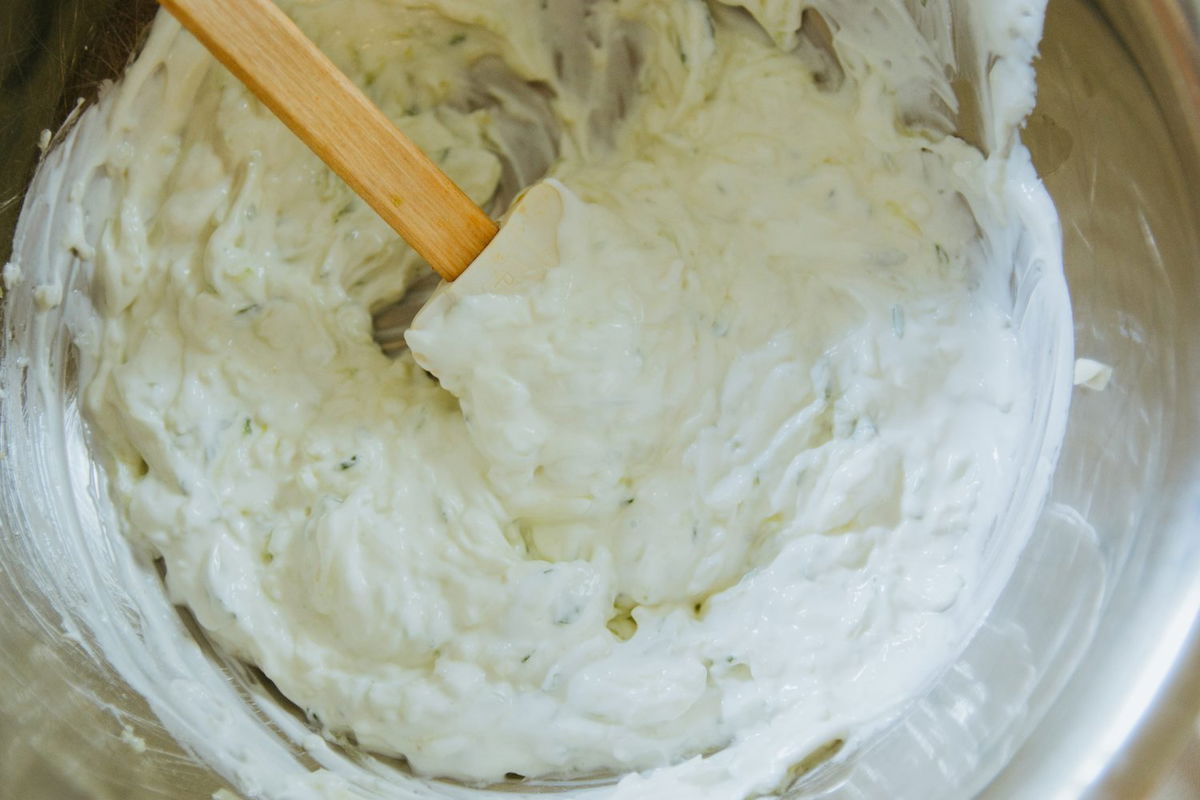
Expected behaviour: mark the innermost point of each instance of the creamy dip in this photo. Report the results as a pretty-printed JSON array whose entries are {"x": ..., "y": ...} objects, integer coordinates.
[{"x": 708, "y": 496}]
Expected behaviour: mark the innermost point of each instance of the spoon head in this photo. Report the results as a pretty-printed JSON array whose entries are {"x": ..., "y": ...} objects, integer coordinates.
[
  {"x": 524, "y": 249},
  {"x": 522, "y": 252}
]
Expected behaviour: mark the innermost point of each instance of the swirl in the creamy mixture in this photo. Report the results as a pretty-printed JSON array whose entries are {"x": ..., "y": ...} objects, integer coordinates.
[{"x": 716, "y": 481}]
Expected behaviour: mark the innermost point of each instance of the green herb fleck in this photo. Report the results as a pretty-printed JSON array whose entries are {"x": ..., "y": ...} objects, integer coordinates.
[
  {"x": 942, "y": 255},
  {"x": 247, "y": 429},
  {"x": 567, "y": 616},
  {"x": 457, "y": 38},
  {"x": 250, "y": 309},
  {"x": 349, "y": 462}
]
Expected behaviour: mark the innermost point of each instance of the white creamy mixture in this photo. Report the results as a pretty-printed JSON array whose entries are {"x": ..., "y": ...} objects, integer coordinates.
[{"x": 717, "y": 484}]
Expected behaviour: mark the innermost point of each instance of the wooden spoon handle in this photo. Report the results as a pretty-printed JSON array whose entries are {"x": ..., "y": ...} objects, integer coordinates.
[{"x": 265, "y": 50}]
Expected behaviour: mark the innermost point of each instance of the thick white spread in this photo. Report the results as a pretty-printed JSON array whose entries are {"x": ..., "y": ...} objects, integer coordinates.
[{"x": 705, "y": 497}]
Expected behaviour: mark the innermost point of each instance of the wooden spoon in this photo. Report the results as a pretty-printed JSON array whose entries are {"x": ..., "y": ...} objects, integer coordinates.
[{"x": 265, "y": 50}]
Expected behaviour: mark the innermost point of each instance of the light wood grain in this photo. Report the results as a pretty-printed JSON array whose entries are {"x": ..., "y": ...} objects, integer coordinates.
[{"x": 265, "y": 50}]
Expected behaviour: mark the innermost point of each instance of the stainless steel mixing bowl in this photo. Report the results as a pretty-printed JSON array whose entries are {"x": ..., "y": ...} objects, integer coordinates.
[{"x": 1086, "y": 675}]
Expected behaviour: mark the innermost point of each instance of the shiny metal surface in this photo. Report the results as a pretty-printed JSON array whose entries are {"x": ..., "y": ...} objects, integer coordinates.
[
  {"x": 1103, "y": 681},
  {"x": 1126, "y": 190}
]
